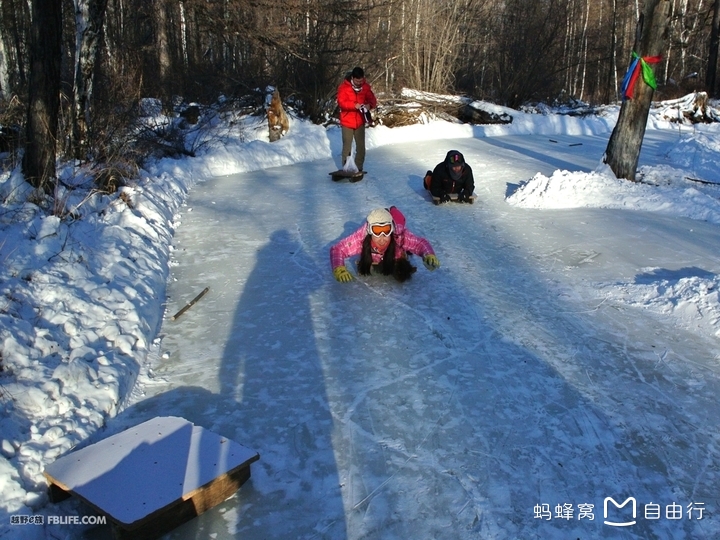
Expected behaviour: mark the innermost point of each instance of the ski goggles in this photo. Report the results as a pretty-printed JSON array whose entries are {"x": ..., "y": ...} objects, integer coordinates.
[
  {"x": 380, "y": 229},
  {"x": 456, "y": 160}
]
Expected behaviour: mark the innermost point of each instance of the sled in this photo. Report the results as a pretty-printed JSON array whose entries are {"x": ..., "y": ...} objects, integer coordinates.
[
  {"x": 153, "y": 477},
  {"x": 453, "y": 198},
  {"x": 351, "y": 176}
]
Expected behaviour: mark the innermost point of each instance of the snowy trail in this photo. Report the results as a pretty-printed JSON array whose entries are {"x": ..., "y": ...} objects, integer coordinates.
[{"x": 452, "y": 405}]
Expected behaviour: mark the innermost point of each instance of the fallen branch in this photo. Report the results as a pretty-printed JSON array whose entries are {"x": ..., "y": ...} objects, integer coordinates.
[
  {"x": 701, "y": 181},
  {"x": 190, "y": 304}
]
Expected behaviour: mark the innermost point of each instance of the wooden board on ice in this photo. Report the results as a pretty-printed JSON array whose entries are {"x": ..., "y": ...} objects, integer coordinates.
[
  {"x": 155, "y": 476},
  {"x": 453, "y": 198},
  {"x": 352, "y": 176}
]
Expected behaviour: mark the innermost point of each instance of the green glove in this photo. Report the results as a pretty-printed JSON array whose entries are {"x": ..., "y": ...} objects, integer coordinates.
[
  {"x": 342, "y": 275},
  {"x": 431, "y": 262}
]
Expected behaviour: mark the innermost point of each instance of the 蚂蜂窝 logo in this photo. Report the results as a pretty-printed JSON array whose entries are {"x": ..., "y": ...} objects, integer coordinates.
[{"x": 618, "y": 507}]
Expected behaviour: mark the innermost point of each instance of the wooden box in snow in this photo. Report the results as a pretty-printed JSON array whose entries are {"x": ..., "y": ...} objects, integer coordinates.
[{"x": 153, "y": 477}]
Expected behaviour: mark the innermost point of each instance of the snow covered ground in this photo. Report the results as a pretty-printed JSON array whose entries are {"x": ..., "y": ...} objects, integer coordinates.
[{"x": 565, "y": 352}]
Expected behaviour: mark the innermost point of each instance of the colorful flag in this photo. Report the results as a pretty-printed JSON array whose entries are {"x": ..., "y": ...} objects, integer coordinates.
[{"x": 637, "y": 67}]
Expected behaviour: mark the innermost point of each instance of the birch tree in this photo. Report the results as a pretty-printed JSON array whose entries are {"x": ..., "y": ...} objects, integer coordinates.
[
  {"x": 711, "y": 75},
  {"x": 4, "y": 69},
  {"x": 89, "y": 18},
  {"x": 14, "y": 23}
]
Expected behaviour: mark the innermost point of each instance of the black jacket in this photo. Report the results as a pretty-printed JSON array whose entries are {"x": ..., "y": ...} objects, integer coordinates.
[{"x": 442, "y": 183}]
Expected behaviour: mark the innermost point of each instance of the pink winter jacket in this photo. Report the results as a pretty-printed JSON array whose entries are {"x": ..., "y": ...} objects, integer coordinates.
[{"x": 405, "y": 242}]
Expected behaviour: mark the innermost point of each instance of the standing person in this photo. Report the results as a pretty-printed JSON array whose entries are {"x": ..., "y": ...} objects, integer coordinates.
[
  {"x": 383, "y": 244},
  {"x": 452, "y": 175},
  {"x": 354, "y": 97}
]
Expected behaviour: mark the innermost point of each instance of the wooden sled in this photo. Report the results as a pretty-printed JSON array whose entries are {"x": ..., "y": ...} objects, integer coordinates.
[
  {"x": 153, "y": 477},
  {"x": 351, "y": 176},
  {"x": 453, "y": 198}
]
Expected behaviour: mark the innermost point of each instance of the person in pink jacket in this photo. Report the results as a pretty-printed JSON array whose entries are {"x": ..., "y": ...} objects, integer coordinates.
[
  {"x": 383, "y": 244},
  {"x": 355, "y": 99}
]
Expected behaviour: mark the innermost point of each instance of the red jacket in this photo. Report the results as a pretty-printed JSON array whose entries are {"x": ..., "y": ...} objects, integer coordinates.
[{"x": 347, "y": 97}]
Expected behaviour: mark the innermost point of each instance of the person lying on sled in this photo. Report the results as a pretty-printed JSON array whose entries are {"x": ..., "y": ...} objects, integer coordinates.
[
  {"x": 451, "y": 176},
  {"x": 383, "y": 244}
]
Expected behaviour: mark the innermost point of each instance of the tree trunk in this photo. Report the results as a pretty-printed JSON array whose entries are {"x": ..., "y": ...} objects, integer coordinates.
[
  {"x": 623, "y": 149},
  {"x": 15, "y": 18},
  {"x": 612, "y": 79},
  {"x": 161, "y": 40},
  {"x": 711, "y": 77},
  {"x": 5, "y": 91},
  {"x": 89, "y": 17},
  {"x": 44, "y": 92}
]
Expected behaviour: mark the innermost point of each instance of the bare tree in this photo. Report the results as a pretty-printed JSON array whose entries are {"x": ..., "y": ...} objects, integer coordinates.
[
  {"x": 623, "y": 149},
  {"x": 529, "y": 57},
  {"x": 612, "y": 71},
  {"x": 507, "y": 51},
  {"x": 44, "y": 93},
  {"x": 89, "y": 18},
  {"x": 433, "y": 44},
  {"x": 161, "y": 39},
  {"x": 710, "y": 78},
  {"x": 4, "y": 68},
  {"x": 14, "y": 24}
]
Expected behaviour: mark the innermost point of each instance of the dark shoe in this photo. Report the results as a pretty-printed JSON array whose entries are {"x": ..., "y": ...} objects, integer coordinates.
[{"x": 427, "y": 179}]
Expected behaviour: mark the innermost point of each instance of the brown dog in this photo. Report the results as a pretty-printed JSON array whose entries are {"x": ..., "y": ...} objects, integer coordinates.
[{"x": 277, "y": 119}]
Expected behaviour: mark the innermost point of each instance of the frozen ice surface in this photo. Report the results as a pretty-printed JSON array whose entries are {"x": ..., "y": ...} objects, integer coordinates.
[{"x": 453, "y": 405}]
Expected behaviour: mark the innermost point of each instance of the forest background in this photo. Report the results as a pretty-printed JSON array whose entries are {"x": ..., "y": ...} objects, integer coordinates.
[{"x": 88, "y": 63}]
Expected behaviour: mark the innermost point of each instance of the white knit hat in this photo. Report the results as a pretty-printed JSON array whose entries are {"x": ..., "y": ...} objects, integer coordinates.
[{"x": 378, "y": 216}]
